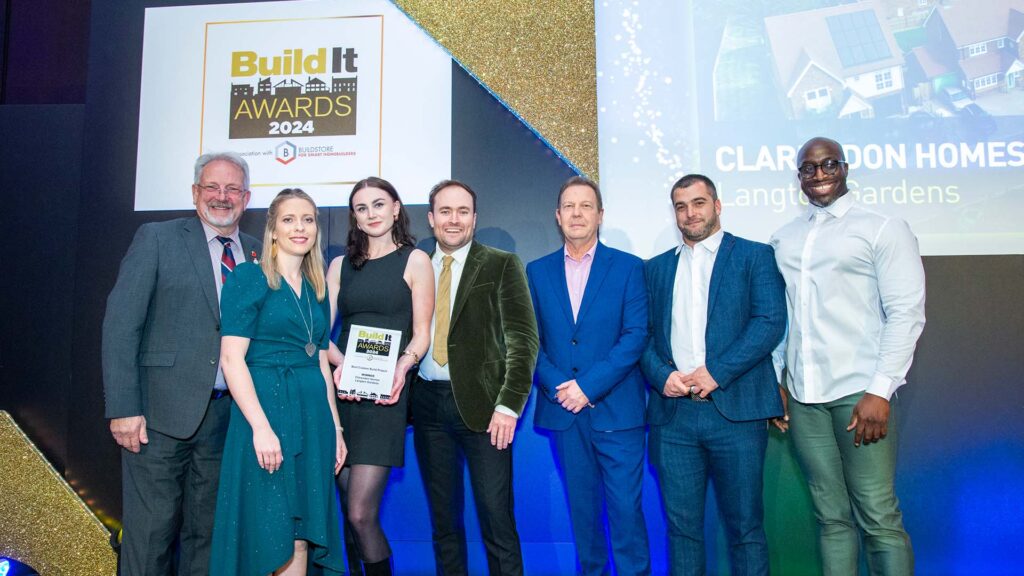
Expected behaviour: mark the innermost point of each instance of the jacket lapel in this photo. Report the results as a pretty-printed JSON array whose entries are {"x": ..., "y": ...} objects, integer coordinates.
[
  {"x": 667, "y": 286},
  {"x": 249, "y": 253},
  {"x": 559, "y": 286},
  {"x": 721, "y": 261},
  {"x": 598, "y": 271},
  {"x": 199, "y": 252},
  {"x": 474, "y": 261}
]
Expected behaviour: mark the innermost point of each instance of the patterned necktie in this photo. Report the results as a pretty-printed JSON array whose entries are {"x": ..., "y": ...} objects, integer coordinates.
[
  {"x": 442, "y": 312},
  {"x": 227, "y": 259}
]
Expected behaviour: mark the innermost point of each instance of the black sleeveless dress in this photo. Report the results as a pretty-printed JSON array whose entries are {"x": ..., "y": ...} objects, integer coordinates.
[{"x": 376, "y": 296}]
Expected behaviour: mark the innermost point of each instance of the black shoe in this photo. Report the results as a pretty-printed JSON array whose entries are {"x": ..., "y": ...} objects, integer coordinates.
[{"x": 382, "y": 568}]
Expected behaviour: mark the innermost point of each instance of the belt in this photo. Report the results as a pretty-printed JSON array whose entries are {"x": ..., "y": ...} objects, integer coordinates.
[
  {"x": 445, "y": 383},
  {"x": 289, "y": 431},
  {"x": 286, "y": 401},
  {"x": 217, "y": 394}
]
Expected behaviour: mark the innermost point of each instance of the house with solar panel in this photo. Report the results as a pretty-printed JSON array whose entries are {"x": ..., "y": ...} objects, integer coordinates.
[
  {"x": 838, "y": 62},
  {"x": 975, "y": 46}
]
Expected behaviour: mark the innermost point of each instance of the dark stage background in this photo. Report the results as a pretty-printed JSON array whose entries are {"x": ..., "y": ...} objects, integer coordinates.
[{"x": 68, "y": 126}]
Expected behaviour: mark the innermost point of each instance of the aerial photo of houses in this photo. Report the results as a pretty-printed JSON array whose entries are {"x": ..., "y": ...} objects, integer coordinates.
[{"x": 914, "y": 59}]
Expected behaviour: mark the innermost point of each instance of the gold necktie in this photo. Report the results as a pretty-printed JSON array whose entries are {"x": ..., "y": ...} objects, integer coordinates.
[{"x": 442, "y": 312}]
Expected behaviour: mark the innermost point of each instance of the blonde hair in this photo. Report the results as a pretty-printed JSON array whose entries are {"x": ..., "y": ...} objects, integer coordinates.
[{"x": 312, "y": 262}]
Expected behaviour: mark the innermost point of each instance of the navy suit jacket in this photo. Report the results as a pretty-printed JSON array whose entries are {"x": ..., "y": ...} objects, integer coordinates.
[
  {"x": 601, "y": 348},
  {"x": 746, "y": 320}
]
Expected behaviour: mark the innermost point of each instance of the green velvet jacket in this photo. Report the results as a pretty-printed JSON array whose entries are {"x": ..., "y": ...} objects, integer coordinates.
[{"x": 492, "y": 339}]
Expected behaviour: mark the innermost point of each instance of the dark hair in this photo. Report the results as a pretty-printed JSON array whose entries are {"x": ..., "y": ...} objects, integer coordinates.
[
  {"x": 358, "y": 245},
  {"x": 446, "y": 183},
  {"x": 581, "y": 181},
  {"x": 690, "y": 180}
]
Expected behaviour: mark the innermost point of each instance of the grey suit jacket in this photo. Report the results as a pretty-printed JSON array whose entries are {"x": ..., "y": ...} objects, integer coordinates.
[{"x": 161, "y": 331}]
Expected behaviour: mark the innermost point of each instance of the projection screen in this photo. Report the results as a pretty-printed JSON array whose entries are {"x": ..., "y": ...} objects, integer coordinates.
[{"x": 926, "y": 97}]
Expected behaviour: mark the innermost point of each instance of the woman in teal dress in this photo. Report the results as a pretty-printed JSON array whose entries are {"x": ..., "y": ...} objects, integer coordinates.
[{"x": 276, "y": 507}]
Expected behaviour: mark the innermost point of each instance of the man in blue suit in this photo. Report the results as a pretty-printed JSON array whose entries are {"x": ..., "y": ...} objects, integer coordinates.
[
  {"x": 718, "y": 309},
  {"x": 591, "y": 307}
]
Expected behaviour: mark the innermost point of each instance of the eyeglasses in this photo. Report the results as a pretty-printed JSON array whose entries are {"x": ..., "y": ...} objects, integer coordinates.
[
  {"x": 809, "y": 169},
  {"x": 215, "y": 190}
]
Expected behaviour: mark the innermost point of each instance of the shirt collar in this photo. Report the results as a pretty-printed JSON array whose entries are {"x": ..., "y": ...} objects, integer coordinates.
[
  {"x": 711, "y": 244},
  {"x": 837, "y": 209},
  {"x": 212, "y": 233},
  {"x": 459, "y": 255},
  {"x": 589, "y": 254}
]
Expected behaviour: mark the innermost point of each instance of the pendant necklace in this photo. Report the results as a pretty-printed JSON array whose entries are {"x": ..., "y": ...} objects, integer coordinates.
[{"x": 310, "y": 347}]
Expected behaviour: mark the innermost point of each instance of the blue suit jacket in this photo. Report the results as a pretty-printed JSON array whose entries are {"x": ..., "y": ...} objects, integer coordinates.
[
  {"x": 746, "y": 320},
  {"x": 601, "y": 348}
]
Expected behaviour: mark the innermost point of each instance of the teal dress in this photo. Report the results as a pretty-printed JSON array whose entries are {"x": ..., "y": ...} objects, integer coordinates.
[{"x": 260, "y": 515}]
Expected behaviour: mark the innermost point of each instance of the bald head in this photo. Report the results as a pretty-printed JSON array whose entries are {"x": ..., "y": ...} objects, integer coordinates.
[{"x": 820, "y": 141}]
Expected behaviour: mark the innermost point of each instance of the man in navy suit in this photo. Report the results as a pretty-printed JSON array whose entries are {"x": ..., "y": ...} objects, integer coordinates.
[
  {"x": 591, "y": 307},
  {"x": 718, "y": 309}
]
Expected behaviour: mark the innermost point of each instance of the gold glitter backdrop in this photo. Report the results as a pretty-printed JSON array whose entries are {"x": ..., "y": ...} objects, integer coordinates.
[
  {"x": 43, "y": 523},
  {"x": 537, "y": 57}
]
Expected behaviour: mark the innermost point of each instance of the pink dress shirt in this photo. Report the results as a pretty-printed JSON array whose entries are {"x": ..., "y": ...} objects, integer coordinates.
[{"x": 576, "y": 274}]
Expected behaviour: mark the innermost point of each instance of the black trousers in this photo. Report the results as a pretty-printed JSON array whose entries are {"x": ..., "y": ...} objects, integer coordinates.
[
  {"x": 443, "y": 444},
  {"x": 170, "y": 491}
]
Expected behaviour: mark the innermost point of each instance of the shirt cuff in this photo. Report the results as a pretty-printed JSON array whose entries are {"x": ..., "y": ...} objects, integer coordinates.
[
  {"x": 882, "y": 385},
  {"x": 506, "y": 411}
]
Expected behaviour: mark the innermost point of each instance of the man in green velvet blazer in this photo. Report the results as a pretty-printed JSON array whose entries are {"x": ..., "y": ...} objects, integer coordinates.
[{"x": 473, "y": 384}]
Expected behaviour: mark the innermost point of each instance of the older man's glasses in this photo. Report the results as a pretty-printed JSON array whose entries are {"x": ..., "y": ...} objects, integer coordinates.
[
  {"x": 809, "y": 169},
  {"x": 215, "y": 190}
]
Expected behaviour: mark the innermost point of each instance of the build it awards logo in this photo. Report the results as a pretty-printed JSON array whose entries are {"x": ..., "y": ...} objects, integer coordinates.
[
  {"x": 294, "y": 93},
  {"x": 299, "y": 96}
]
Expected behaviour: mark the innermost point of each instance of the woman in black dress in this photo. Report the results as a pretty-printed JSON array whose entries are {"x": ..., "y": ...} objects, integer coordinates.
[{"x": 382, "y": 282}]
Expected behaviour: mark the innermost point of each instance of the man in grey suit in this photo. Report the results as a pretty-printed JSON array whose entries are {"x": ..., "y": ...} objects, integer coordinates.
[{"x": 165, "y": 395}]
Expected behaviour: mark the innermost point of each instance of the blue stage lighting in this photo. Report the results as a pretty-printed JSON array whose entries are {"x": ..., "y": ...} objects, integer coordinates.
[{"x": 11, "y": 567}]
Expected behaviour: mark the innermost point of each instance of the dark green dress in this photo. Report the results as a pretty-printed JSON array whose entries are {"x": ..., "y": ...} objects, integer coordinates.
[{"x": 259, "y": 515}]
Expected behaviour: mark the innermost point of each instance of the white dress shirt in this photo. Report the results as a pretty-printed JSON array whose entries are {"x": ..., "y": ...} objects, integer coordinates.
[
  {"x": 429, "y": 368},
  {"x": 690, "y": 301},
  {"x": 855, "y": 296}
]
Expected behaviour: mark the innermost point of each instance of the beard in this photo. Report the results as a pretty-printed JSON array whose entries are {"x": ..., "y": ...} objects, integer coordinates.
[
  {"x": 227, "y": 220},
  {"x": 703, "y": 232}
]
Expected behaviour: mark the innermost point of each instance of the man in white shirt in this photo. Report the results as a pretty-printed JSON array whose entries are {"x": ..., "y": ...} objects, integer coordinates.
[
  {"x": 855, "y": 293},
  {"x": 717, "y": 310}
]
